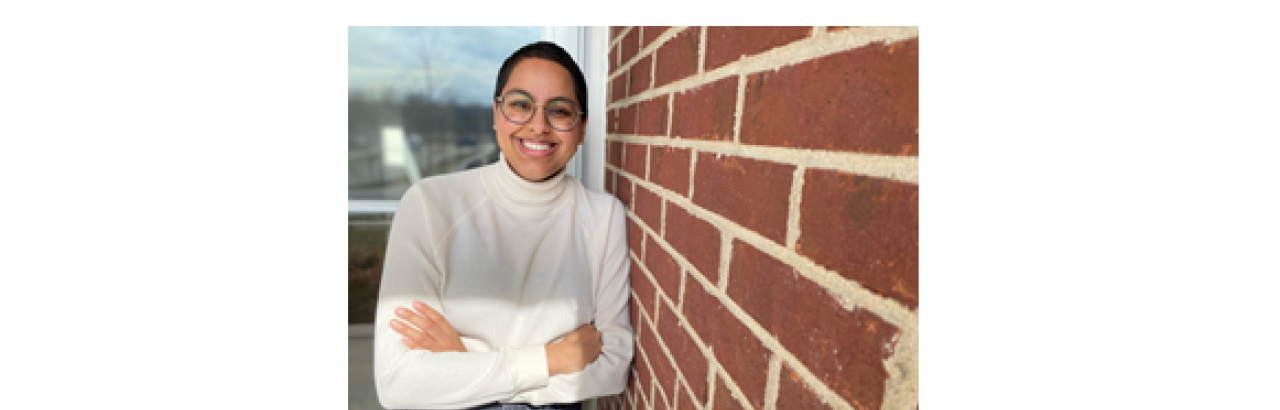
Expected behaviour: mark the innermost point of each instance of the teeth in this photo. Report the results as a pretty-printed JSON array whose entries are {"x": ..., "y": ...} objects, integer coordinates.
[{"x": 535, "y": 146}]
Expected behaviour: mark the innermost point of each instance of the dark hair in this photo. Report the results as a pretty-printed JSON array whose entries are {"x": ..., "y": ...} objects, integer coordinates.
[{"x": 548, "y": 51}]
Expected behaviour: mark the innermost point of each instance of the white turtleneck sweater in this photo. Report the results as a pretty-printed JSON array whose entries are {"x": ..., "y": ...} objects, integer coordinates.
[{"x": 513, "y": 265}]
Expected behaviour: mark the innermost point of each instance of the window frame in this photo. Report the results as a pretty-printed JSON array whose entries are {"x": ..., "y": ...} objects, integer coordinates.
[{"x": 589, "y": 47}]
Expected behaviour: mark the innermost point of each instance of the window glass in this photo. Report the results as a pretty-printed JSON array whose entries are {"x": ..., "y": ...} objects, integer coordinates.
[{"x": 419, "y": 102}]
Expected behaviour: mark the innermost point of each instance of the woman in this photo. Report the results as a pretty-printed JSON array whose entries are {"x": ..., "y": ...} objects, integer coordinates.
[{"x": 508, "y": 284}]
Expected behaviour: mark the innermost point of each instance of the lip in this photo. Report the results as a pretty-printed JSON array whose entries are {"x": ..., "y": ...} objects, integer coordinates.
[{"x": 535, "y": 153}]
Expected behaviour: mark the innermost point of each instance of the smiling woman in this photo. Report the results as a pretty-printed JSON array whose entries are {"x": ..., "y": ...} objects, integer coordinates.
[{"x": 508, "y": 284}]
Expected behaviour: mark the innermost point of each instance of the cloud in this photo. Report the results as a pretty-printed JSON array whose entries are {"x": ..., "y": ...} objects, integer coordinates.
[{"x": 463, "y": 60}]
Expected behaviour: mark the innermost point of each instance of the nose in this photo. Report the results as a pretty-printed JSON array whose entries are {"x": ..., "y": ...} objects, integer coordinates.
[{"x": 539, "y": 124}]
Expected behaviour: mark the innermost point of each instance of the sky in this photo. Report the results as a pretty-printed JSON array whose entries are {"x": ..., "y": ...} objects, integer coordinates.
[{"x": 463, "y": 61}]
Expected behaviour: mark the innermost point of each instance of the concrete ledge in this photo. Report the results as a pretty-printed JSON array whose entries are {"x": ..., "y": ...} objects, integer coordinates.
[{"x": 363, "y": 331}]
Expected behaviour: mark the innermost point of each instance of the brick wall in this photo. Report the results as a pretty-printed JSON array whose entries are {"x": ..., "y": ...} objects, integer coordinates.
[{"x": 771, "y": 177}]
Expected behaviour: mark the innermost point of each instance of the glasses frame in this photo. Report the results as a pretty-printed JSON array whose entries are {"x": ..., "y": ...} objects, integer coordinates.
[{"x": 576, "y": 120}]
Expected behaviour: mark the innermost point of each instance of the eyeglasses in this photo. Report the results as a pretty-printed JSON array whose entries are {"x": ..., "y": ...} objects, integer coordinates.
[{"x": 518, "y": 108}]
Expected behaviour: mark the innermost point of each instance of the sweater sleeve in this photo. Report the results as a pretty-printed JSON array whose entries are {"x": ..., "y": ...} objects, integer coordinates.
[
  {"x": 415, "y": 379},
  {"x": 608, "y": 374}
]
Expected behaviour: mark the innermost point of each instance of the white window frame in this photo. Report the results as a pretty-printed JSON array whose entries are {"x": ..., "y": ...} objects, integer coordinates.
[{"x": 589, "y": 47}]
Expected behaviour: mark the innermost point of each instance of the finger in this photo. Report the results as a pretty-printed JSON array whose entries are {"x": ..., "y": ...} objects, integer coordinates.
[
  {"x": 436, "y": 318},
  {"x": 408, "y": 332},
  {"x": 417, "y": 320}
]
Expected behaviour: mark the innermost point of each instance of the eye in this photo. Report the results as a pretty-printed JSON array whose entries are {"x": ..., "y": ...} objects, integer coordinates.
[
  {"x": 561, "y": 112},
  {"x": 522, "y": 105}
]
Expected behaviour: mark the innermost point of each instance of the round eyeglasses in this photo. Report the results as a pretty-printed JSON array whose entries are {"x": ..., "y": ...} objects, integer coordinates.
[{"x": 518, "y": 108}]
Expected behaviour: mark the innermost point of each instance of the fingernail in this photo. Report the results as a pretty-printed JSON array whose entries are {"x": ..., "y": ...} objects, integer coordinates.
[{"x": 401, "y": 311}]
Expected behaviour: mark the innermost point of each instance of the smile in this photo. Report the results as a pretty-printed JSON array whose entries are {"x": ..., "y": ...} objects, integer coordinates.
[{"x": 536, "y": 148}]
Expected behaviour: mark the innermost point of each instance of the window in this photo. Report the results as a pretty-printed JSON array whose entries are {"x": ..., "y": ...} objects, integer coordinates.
[{"x": 418, "y": 101}]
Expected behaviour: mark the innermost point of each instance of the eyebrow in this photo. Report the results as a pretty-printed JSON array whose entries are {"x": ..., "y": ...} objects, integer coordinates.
[{"x": 553, "y": 98}]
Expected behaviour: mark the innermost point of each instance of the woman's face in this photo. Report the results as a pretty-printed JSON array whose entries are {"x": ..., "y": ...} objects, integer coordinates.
[{"x": 534, "y": 149}]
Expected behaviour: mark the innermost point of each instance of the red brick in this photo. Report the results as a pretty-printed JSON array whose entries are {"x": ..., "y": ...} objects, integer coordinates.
[
  {"x": 836, "y": 28},
  {"x": 649, "y": 208},
  {"x": 678, "y": 57},
  {"x": 724, "y": 399},
  {"x": 613, "y": 32},
  {"x": 636, "y": 305},
  {"x": 640, "y": 73},
  {"x": 644, "y": 289},
  {"x": 608, "y": 182},
  {"x": 697, "y": 240},
  {"x": 846, "y": 349},
  {"x": 618, "y": 87},
  {"x": 623, "y": 120},
  {"x": 653, "y": 116},
  {"x": 742, "y": 355},
  {"x": 614, "y": 123},
  {"x": 635, "y": 236},
  {"x": 753, "y": 193},
  {"x": 664, "y": 268},
  {"x": 794, "y": 394},
  {"x": 651, "y": 33},
  {"x": 865, "y": 228},
  {"x": 864, "y": 100},
  {"x": 684, "y": 402},
  {"x": 706, "y": 112},
  {"x": 615, "y": 153},
  {"x": 664, "y": 373},
  {"x": 624, "y": 191},
  {"x": 669, "y": 167},
  {"x": 692, "y": 363},
  {"x": 630, "y": 44},
  {"x": 637, "y": 159},
  {"x": 643, "y": 367},
  {"x": 726, "y": 44}
]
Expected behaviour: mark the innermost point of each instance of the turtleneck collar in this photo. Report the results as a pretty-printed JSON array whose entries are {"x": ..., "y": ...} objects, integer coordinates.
[{"x": 525, "y": 197}]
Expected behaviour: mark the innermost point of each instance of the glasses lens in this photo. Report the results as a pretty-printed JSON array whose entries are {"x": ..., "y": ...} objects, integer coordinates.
[
  {"x": 517, "y": 107},
  {"x": 563, "y": 115}
]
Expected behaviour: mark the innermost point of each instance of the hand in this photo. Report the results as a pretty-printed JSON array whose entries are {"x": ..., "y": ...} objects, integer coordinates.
[
  {"x": 433, "y": 332},
  {"x": 575, "y": 351}
]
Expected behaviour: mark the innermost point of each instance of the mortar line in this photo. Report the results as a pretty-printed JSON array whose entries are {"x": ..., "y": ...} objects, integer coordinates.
[
  {"x": 702, "y": 50},
  {"x": 771, "y": 383},
  {"x": 770, "y": 343},
  {"x": 693, "y": 167},
  {"x": 819, "y": 387},
  {"x": 681, "y": 321},
  {"x": 680, "y": 297},
  {"x": 793, "y": 211},
  {"x": 734, "y": 390},
  {"x": 726, "y": 253},
  {"x": 901, "y": 168},
  {"x": 621, "y": 34},
  {"x": 848, "y": 293},
  {"x": 737, "y": 109},
  {"x": 663, "y": 215},
  {"x": 636, "y": 218},
  {"x": 648, "y": 152},
  {"x": 819, "y": 30},
  {"x": 711, "y": 388},
  {"x": 653, "y": 69},
  {"x": 671, "y": 106},
  {"x": 902, "y": 390},
  {"x": 794, "y": 53},
  {"x": 901, "y": 353},
  {"x": 651, "y": 48}
]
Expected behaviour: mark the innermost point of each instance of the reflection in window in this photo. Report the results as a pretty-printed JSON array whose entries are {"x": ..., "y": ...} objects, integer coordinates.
[{"x": 419, "y": 102}]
